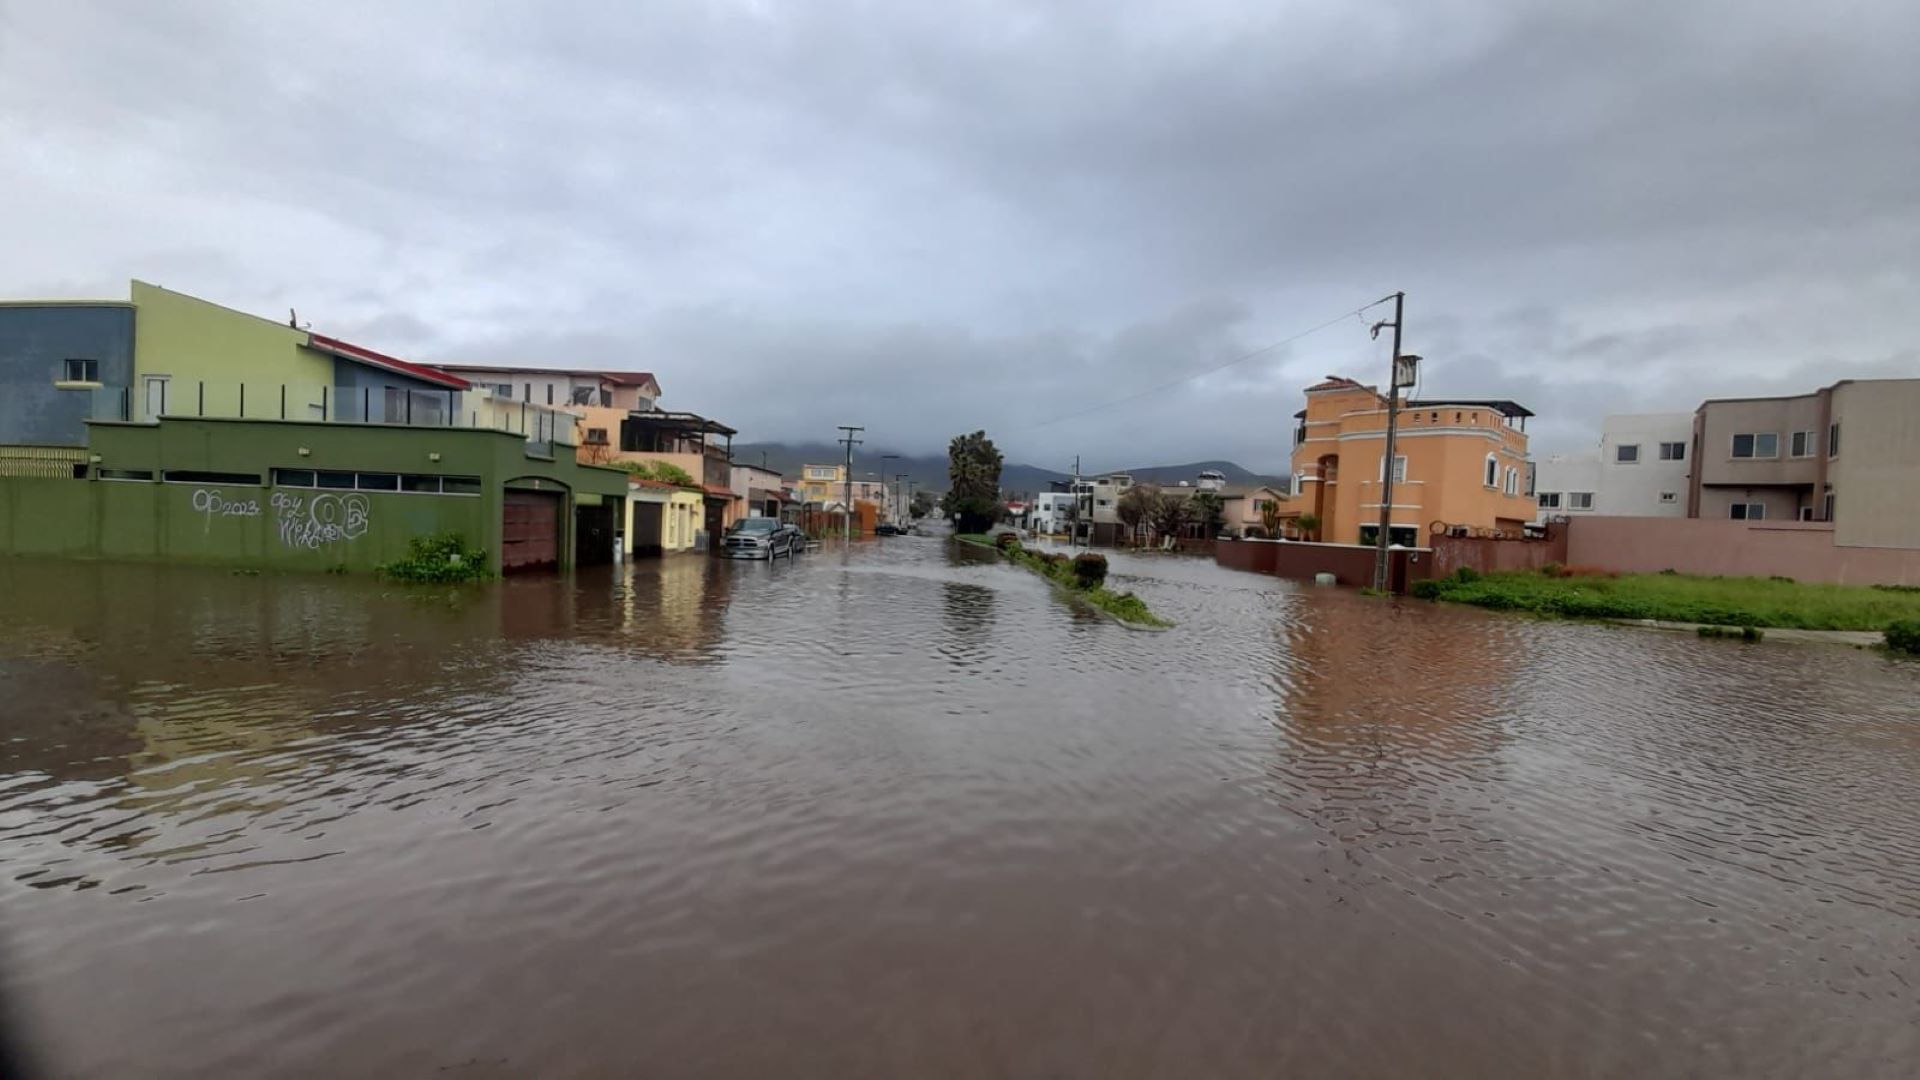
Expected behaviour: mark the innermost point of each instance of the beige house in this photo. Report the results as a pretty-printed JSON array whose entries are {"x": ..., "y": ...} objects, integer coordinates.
[{"x": 1848, "y": 454}]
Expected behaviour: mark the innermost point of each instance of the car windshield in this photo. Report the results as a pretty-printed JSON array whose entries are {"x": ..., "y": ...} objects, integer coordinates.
[{"x": 756, "y": 525}]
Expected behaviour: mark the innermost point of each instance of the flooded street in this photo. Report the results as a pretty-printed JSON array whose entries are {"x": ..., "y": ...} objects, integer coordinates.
[{"x": 900, "y": 811}]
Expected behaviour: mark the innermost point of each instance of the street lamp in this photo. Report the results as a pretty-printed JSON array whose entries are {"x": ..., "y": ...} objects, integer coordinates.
[{"x": 885, "y": 499}]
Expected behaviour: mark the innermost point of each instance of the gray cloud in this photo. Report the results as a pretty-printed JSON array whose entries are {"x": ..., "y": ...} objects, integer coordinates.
[{"x": 929, "y": 218}]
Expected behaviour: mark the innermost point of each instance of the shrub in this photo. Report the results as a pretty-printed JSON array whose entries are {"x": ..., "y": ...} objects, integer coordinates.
[
  {"x": 1089, "y": 570},
  {"x": 1425, "y": 590},
  {"x": 437, "y": 559},
  {"x": 1466, "y": 575},
  {"x": 1554, "y": 569},
  {"x": 1006, "y": 541},
  {"x": 1253, "y": 532},
  {"x": 1898, "y": 588},
  {"x": 1904, "y": 636}
]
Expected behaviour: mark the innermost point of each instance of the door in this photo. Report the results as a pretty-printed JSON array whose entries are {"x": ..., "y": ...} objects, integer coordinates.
[
  {"x": 156, "y": 396},
  {"x": 592, "y": 535},
  {"x": 530, "y": 531}
]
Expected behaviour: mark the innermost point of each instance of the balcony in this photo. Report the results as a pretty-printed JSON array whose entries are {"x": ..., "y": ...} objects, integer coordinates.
[{"x": 315, "y": 403}]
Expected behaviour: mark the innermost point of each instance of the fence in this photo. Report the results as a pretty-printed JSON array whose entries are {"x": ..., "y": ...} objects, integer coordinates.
[
  {"x": 1350, "y": 564},
  {"x": 1490, "y": 555},
  {"x": 540, "y": 425},
  {"x": 51, "y": 462}
]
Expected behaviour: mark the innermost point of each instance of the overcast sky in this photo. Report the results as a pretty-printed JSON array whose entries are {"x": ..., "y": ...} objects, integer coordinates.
[{"x": 928, "y": 218}]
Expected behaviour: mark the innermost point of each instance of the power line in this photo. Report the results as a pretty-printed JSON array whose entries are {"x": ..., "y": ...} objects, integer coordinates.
[{"x": 1241, "y": 359}]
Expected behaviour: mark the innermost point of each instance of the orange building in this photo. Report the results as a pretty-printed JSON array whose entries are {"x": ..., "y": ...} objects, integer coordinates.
[{"x": 1462, "y": 463}]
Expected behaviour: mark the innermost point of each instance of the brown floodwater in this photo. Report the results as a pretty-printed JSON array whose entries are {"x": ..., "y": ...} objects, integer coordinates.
[{"x": 900, "y": 811}]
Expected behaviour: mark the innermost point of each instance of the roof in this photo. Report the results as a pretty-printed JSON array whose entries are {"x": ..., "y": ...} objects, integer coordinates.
[
  {"x": 720, "y": 491},
  {"x": 649, "y": 482},
  {"x": 1499, "y": 405},
  {"x": 356, "y": 354},
  {"x": 681, "y": 421},
  {"x": 1337, "y": 382},
  {"x": 759, "y": 494},
  {"x": 624, "y": 378}
]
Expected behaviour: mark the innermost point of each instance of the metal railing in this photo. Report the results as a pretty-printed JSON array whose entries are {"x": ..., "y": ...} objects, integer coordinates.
[
  {"x": 542, "y": 426},
  {"x": 51, "y": 462}
]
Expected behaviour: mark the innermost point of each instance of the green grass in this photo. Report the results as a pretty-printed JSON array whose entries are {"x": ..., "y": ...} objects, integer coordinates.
[
  {"x": 1126, "y": 607},
  {"x": 1717, "y": 601}
]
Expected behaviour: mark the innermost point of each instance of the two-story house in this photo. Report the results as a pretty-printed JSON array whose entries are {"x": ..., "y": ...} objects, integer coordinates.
[{"x": 1847, "y": 454}]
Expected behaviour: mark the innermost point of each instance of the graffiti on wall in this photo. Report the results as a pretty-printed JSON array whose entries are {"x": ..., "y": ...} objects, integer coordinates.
[
  {"x": 312, "y": 521},
  {"x": 214, "y": 504}
]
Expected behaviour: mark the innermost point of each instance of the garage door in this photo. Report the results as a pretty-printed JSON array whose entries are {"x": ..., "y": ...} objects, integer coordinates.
[{"x": 530, "y": 531}]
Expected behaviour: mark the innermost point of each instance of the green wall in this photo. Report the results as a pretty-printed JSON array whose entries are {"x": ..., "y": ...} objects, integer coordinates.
[
  {"x": 265, "y": 526},
  {"x": 195, "y": 341}
]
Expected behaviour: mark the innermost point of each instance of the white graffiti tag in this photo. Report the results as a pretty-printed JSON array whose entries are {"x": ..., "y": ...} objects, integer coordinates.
[
  {"x": 213, "y": 504},
  {"x": 312, "y": 521}
]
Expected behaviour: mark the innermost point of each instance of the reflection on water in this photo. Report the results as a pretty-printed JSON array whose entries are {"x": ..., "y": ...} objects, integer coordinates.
[{"x": 897, "y": 810}]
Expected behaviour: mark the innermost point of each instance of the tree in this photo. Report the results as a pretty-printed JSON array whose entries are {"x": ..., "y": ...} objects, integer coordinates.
[
  {"x": 973, "y": 478},
  {"x": 1168, "y": 514},
  {"x": 1270, "y": 516},
  {"x": 1309, "y": 526},
  {"x": 921, "y": 506},
  {"x": 1206, "y": 510},
  {"x": 1136, "y": 506}
]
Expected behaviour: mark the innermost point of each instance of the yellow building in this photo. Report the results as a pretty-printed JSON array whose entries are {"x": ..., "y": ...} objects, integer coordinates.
[
  {"x": 1458, "y": 464},
  {"x": 822, "y": 483},
  {"x": 663, "y": 518}
]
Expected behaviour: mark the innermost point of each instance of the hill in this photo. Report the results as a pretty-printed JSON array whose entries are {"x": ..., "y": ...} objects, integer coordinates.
[{"x": 929, "y": 471}]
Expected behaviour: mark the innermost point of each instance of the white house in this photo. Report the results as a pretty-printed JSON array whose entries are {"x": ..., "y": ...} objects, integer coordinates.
[
  {"x": 1640, "y": 470},
  {"x": 1052, "y": 511}
]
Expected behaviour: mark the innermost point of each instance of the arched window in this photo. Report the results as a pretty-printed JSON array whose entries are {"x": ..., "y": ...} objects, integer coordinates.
[
  {"x": 1513, "y": 480},
  {"x": 1493, "y": 471}
]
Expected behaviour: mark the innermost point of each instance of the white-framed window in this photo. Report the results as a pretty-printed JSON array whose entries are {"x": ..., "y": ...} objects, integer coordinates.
[
  {"x": 1803, "y": 444},
  {"x": 1579, "y": 500},
  {"x": 1491, "y": 476},
  {"x": 79, "y": 369},
  {"x": 503, "y": 390},
  {"x": 1748, "y": 511},
  {"x": 1513, "y": 481},
  {"x": 1758, "y": 444},
  {"x": 1549, "y": 500},
  {"x": 1673, "y": 451},
  {"x": 1627, "y": 454},
  {"x": 1827, "y": 509},
  {"x": 1833, "y": 445},
  {"x": 1399, "y": 468},
  {"x": 1669, "y": 496}
]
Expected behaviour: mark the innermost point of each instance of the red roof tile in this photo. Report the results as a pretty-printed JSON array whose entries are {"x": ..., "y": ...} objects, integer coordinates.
[{"x": 349, "y": 351}]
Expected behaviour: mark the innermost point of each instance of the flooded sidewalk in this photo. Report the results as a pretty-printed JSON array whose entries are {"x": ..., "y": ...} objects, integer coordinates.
[{"x": 896, "y": 809}]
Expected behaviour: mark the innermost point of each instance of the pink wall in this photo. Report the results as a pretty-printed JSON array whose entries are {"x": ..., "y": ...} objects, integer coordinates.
[
  {"x": 1491, "y": 556},
  {"x": 1804, "y": 551},
  {"x": 1350, "y": 564}
]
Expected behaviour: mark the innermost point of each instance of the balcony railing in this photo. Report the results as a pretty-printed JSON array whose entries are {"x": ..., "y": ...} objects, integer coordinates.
[{"x": 543, "y": 427}]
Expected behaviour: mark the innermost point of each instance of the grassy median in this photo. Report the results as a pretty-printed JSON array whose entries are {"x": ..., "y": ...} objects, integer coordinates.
[
  {"x": 1080, "y": 581},
  {"x": 1717, "y": 601}
]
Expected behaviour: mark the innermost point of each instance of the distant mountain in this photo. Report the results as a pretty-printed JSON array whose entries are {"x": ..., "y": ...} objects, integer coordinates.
[{"x": 929, "y": 471}]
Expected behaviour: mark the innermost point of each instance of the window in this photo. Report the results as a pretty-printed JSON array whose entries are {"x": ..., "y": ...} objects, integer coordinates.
[
  {"x": 1803, "y": 444},
  {"x": 147, "y": 475},
  {"x": 75, "y": 369},
  {"x": 1669, "y": 496},
  {"x": 1106, "y": 502},
  {"x": 1491, "y": 477},
  {"x": 1401, "y": 535},
  {"x": 337, "y": 481},
  {"x": 504, "y": 390},
  {"x": 1579, "y": 500},
  {"x": 1833, "y": 447},
  {"x": 460, "y": 485},
  {"x": 596, "y": 436},
  {"x": 1764, "y": 444},
  {"x": 526, "y": 390},
  {"x": 377, "y": 482},
  {"x": 1806, "y": 513},
  {"x": 1673, "y": 451},
  {"x": 1399, "y": 468},
  {"x": 1513, "y": 481},
  {"x": 1828, "y": 509},
  {"x": 1549, "y": 500},
  {"x": 1748, "y": 511},
  {"x": 192, "y": 476},
  {"x": 1627, "y": 454}
]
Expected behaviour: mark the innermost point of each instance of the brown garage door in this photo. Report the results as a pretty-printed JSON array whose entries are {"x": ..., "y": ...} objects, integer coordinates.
[{"x": 530, "y": 531}]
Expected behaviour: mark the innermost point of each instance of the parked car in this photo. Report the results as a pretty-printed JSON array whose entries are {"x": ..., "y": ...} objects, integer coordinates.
[{"x": 762, "y": 538}]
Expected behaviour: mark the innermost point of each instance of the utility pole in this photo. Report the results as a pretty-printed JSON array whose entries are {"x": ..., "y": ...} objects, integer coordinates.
[
  {"x": 1073, "y": 536},
  {"x": 846, "y": 477},
  {"x": 899, "y": 502},
  {"x": 886, "y": 497},
  {"x": 1395, "y": 377}
]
